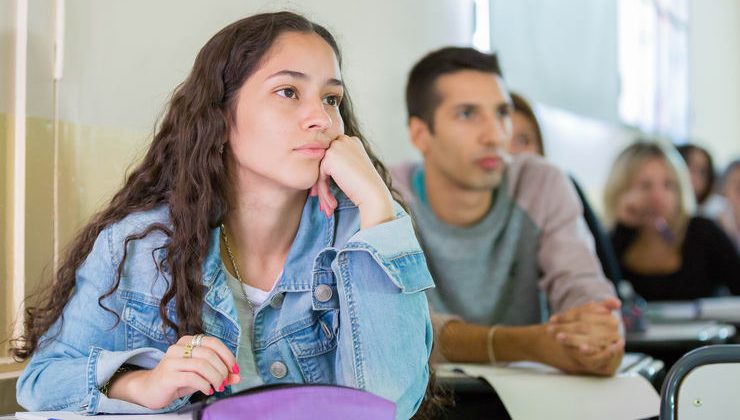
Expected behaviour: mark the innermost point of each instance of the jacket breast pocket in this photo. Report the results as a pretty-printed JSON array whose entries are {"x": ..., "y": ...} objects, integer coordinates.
[
  {"x": 144, "y": 326},
  {"x": 314, "y": 347}
]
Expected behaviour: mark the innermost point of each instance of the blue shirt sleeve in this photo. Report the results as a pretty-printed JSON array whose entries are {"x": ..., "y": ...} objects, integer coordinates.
[{"x": 77, "y": 356}]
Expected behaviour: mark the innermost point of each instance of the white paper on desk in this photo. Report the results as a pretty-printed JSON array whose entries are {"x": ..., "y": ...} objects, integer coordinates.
[
  {"x": 67, "y": 415},
  {"x": 534, "y": 391}
]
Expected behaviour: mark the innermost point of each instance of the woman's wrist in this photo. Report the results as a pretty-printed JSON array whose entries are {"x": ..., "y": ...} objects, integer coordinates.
[
  {"x": 376, "y": 209},
  {"x": 128, "y": 387}
]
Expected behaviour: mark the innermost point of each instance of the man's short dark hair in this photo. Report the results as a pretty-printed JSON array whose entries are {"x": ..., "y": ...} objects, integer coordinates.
[{"x": 422, "y": 97}]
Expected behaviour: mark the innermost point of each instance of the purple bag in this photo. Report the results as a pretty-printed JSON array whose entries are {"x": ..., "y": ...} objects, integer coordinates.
[{"x": 297, "y": 402}]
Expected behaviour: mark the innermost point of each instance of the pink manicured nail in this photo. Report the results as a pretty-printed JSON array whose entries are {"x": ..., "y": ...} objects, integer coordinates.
[
  {"x": 235, "y": 369},
  {"x": 210, "y": 391}
]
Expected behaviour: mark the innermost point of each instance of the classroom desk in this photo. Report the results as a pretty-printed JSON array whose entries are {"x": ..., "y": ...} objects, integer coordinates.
[
  {"x": 668, "y": 341},
  {"x": 474, "y": 398}
]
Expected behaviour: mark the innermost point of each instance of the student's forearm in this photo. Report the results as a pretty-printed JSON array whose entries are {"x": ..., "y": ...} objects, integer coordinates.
[
  {"x": 513, "y": 344},
  {"x": 468, "y": 343},
  {"x": 463, "y": 342}
]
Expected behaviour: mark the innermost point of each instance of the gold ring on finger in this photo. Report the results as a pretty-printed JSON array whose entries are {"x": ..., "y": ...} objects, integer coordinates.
[{"x": 188, "y": 354}]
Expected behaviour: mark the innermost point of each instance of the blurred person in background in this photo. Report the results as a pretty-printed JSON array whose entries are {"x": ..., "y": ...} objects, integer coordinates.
[
  {"x": 664, "y": 251},
  {"x": 526, "y": 134},
  {"x": 703, "y": 179}
]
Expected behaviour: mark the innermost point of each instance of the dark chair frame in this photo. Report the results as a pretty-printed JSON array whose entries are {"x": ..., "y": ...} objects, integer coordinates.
[{"x": 707, "y": 355}]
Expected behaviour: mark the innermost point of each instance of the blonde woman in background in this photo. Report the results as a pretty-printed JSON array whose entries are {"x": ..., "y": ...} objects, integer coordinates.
[{"x": 665, "y": 252}]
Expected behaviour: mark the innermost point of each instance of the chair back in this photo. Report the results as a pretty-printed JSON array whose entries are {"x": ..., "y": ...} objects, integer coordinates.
[{"x": 703, "y": 384}]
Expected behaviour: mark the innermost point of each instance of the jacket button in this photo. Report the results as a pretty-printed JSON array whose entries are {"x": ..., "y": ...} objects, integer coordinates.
[
  {"x": 278, "y": 370},
  {"x": 277, "y": 300},
  {"x": 322, "y": 293}
]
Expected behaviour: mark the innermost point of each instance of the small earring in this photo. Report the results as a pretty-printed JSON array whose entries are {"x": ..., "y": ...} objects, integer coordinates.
[{"x": 221, "y": 149}]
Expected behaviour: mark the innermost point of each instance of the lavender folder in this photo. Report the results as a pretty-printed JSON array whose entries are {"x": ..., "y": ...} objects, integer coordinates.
[{"x": 297, "y": 402}]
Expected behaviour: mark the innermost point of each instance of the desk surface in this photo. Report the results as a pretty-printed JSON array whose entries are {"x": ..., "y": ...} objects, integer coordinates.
[
  {"x": 639, "y": 363},
  {"x": 474, "y": 397}
]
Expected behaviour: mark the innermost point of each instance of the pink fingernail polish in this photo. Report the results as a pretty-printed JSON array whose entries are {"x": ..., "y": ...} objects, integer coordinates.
[
  {"x": 235, "y": 369},
  {"x": 210, "y": 391}
]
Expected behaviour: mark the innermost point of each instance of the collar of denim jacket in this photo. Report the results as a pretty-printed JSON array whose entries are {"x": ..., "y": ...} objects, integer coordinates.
[{"x": 316, "y": 232}]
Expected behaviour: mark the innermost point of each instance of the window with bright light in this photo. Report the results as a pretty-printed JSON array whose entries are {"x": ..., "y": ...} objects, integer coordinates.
[
  {"x": 482, "y": 30},
  {"x": 653, "y": 66}
]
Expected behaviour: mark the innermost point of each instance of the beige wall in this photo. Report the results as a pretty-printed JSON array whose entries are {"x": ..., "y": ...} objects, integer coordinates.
[
  {"x": 7, "y": 37},
  {"x": 7, "y": 30},
  {"x": 122, "y": 64},
  {"x": 39, "y": 109},
  {"x": 714, "y": 43},
  {"x": 7, "y": 312}
]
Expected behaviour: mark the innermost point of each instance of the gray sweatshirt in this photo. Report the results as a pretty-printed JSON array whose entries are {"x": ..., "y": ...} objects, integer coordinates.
[{"x": 532, "y": 250}]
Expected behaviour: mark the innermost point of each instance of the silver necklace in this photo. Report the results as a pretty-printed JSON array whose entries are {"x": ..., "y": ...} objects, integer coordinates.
[{"x": 236, "y": 269}]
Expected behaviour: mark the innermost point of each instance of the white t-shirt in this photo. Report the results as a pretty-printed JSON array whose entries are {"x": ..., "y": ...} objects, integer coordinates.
[{"x": 256, "y": 296}]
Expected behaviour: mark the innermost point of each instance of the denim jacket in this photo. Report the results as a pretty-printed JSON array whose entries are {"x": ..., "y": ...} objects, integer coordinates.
[{"x": 347, "y": 310}]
